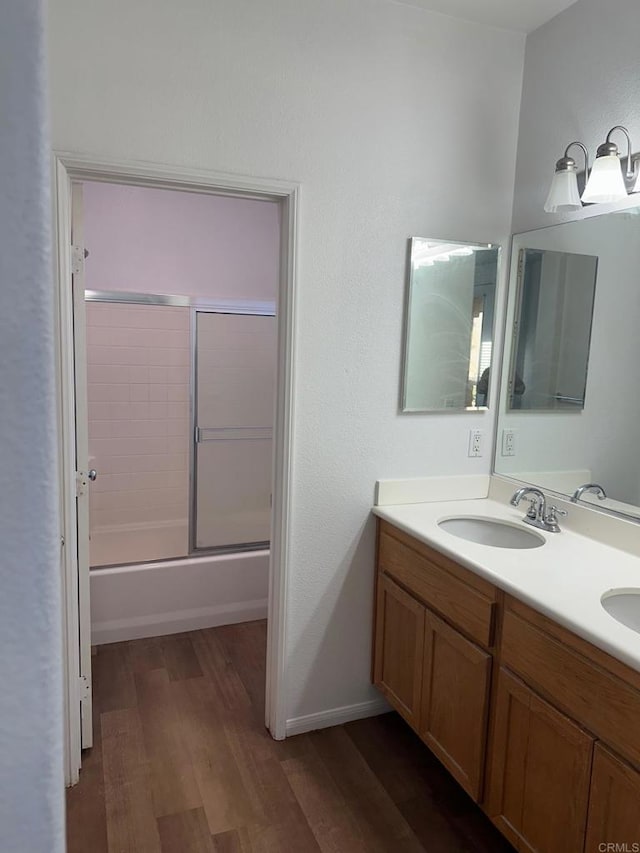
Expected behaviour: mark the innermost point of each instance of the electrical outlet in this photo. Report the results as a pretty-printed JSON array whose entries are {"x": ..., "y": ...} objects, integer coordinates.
[
  {"x": 475, "y": 442},
  {"x": 508, "y": 442}
]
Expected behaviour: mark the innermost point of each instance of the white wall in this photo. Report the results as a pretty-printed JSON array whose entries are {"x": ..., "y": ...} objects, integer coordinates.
[
  {"x": 397, "y": 122},
  {"x": 31, "y": 774},
  {"x": 582, "y": 77}
]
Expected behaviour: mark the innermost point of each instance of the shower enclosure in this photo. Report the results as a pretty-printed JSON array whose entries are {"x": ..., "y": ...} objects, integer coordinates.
[{"x": 181, "y": 396}]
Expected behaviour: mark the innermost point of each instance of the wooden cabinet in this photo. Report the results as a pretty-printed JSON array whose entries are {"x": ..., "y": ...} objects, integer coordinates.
[
  {"x": 614, "y": 806},
  {"x": 455, "y": 702},
  {"x": 539, "y": 786},
  {"x": 459, "y": 596},
  {"x": 435, "y": 676},
  {"x": 535, "y": 723},
  {"x": 399, "y": 643}
]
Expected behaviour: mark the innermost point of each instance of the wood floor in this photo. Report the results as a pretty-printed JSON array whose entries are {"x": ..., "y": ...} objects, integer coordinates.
[{"x": 182, "y": 764}]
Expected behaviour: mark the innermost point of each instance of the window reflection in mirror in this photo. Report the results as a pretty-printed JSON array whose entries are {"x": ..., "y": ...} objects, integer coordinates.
[
  {"x": 450, "y": 318},
  {"x": 552, "y": 330}
]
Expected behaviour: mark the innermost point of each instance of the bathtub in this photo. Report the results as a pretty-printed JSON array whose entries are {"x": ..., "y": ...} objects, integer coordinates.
[{"x": 151, "y": 599}]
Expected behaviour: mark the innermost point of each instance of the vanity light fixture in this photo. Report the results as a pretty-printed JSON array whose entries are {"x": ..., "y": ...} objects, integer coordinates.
[
  {"x": 607, "y": 181},
  {"x": 564, "y": 194}
]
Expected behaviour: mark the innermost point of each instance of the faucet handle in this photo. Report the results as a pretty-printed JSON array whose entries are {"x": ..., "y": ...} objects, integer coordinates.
[{"x": 553, "y": 513}]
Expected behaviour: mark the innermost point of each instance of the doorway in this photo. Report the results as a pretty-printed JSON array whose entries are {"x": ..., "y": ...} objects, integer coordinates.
[{"x": 208, "y": 438}]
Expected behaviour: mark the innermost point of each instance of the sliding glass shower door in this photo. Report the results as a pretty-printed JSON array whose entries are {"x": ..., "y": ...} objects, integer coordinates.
[{"x": 235, "y": 368}]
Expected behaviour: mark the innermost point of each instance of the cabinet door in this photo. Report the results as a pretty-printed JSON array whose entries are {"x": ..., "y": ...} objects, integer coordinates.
[
  {"x": 540, "y": 772},
  {"x": 398, "y": 648},
  {"x": 614, "y": 806},
  {"x": 455, "y": 701}
]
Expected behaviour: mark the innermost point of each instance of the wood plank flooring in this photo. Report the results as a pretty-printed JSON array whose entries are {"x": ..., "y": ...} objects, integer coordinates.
[{"x": 182, "y": 764}]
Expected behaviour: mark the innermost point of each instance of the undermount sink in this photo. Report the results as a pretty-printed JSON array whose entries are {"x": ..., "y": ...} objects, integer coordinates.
[
  {"x": 487, "y": 531},
  {"x": 624, "y": 606}
]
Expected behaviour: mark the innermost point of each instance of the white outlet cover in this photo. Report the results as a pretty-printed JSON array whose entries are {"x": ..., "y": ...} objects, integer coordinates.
[
  {"x": 508, "y": 442},
  {"x": 475, "y": 442}
]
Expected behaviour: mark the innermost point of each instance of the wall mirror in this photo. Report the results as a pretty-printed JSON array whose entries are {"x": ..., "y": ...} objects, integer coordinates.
[
  {"x": 449, "y": 325},
  {"x": 582, "y": 427},
  {"x": 552, "y": 329}
]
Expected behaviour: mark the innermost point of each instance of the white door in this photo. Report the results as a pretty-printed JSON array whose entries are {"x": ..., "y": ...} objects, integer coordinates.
[{"x": 84, "y": 476}]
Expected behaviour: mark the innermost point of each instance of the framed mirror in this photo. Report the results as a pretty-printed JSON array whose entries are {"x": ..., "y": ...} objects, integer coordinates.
[
  {"x": 581, "y": 427},
  {"x": 551, "y": 330},
  {"x": 449, "y": 325}
]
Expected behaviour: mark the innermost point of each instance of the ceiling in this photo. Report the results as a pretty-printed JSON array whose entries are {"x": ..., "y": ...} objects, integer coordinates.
[{"x": 521, "y": 15}]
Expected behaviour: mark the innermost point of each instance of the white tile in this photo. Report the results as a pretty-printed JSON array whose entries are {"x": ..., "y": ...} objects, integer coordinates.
[
  {"x": 138, "y": 374},
  {"x": 158, "y": 393},
  {"x": 139, "y": 393},
  {"x": 158, "y": 375},
  {"x": 177, "y": 392}
]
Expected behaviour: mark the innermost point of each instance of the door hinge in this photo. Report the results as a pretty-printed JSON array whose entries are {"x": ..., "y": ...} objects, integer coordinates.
[
  {"x": 81, "y": 483},
  {"x": 84, "y": 688},
  {"x": 78, "y": 255}
]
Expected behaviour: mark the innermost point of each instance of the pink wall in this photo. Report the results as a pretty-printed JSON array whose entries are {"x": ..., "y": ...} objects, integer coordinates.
[{"x": 161, "y": 241}]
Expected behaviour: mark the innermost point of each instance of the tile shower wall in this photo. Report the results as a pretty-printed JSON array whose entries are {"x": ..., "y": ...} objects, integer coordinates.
[{"x": 138, "y": 390}]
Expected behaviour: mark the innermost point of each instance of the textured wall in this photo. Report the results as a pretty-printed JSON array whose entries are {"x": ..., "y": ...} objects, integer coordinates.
[
  {"x": 582, "y": 77},
  {"x": 159, "y": 241},
  {"x": 31, "y": 780},
  {"x": 397, "y": 122}
]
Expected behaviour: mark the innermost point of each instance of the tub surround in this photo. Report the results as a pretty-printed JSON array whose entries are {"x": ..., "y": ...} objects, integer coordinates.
[
  {"x": 151, "y": 599},
  {"x": 564, "y": 579}
]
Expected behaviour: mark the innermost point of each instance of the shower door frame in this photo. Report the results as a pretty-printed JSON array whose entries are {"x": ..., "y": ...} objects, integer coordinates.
[
  {"x": 196, "y": 305},
  {"x": 68, "y": 167},
  {"x": 239, "y": 308}
]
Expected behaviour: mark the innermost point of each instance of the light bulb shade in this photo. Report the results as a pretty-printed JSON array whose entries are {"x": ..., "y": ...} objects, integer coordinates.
[
  {"x": 605, "y": 182},
  {"x": 563, "y": 194}
]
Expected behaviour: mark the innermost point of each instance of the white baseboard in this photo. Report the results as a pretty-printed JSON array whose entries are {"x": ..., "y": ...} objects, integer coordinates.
[
  {"x": 336, "y": 716},
  {"x": 135, "y": 628}
]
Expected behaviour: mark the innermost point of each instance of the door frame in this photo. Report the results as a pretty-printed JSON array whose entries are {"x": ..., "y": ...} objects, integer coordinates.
[{"x": 68, "y": 167}]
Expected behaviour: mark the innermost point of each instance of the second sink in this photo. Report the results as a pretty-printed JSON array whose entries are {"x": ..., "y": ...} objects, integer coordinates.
[
  {"x": 624, "y": 606},
  {"x": 487, "y": 531}
]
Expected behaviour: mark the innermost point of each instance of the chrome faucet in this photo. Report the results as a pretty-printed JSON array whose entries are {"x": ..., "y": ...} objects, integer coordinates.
[
  {"x": 594, "y": 488},
  {"x": 537, "y": 514}
]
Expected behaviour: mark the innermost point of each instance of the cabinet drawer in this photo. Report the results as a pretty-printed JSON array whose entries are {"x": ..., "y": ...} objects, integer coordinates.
[
  {"x": 572, "y": 681},
  {"x": 465, "y": 607}
]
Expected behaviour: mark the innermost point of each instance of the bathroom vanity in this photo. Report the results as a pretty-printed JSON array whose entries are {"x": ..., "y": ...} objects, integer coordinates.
[
  {"x": 511, "y": 648},
  {"x": 474, "y": 647}
]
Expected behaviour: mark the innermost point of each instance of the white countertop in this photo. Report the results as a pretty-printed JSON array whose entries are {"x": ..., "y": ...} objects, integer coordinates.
[{"x": 565, "y": 578}]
